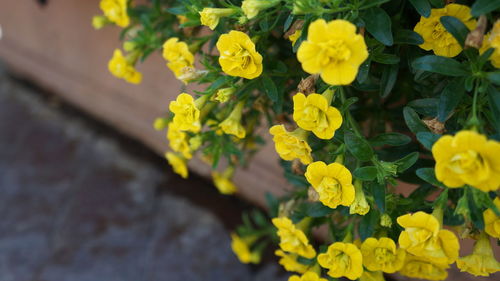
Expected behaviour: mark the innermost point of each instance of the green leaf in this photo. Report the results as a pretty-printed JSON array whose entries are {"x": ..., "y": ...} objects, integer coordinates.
[
  {"x": 378, "y": 191},
  {"x": 437, "y": 3},
  {"x": 494, "y": 77},
  {"x": 317, "y": 210},
  {"x": 363, "y": 71},
  {"x": 494, "y": 104},
  {"x": 476, "y": 214},
  {"x": 456, "y": 28},
  {"x": 413, "y": 121},
  {"x": 367, "y": 225},
  {"x": 426, "y": 107},
  {"x": 450, "y": 97},
  {"x": 441, "y": 65},
  {"x": 427, "y": 139},
  {"x": 394, "y": 139},
  {"x": 270, "y": 88},
  {"x": 422, "y": 6},
  {"x": 358, "y": 146},
  {"x": 427, "y": 174},
  {"x": 407, "y": 161},
  {"x": 481, "y": 7},
  {"x": 367, "y": 173},
  {"x": 388, "y": 80},
  {"x": 406, "y": 36},
  {"x": 288, "y": 22},
  {"x": 378, "y": 24},
  {"x": 272, "y": 204},
  {"x": 385, "y": 58}
]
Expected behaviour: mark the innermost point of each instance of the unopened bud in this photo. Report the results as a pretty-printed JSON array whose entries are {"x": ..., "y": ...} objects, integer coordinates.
[
  {"x": 306, "y": 86},
  {"x": 475, "y": 37},
  {"x": 435, "y": 126}
]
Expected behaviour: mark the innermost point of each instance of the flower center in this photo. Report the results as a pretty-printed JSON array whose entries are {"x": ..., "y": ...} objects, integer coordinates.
[
  {"x": 315, "y": 117},
  {"x": 469, "y": 162},
  {"x": 240, "y": 56},
  {"x": 383, "y": 255},
  {"x": 342, "y": 262},
  {"x": 334, "y": 51}
]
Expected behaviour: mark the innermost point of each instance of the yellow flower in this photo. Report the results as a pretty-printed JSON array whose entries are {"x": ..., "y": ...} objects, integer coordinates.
[
  {"x": 224, "y": 94},
  {"x": 187, "y": 112},
  {"x": 492, "y": 40},
  {"x": 177, "y": 55},
  {"x": 314, "y": 113},
  {"x": 382, "y": 254},
  {"x": 160, "y": 123},
  {"x": 290, "y": 263},
  {"x": 241, "y": 248},
  {"x": 295, "y": 36},
  {"x": 251, "y": 8},
  {"x": 116, "y": 11},
  {"x": 211, "y": 16},
  {"x": 223, "y": 181},
  {"x": 291, "y": 145},
  {"x": 178, "y": 141},
  {"x": 308, "y": 276},
  {"x": 468, "y": 158},
  {"x": 417, "y": 267},
  {"x": 492, "y": 221},
  {"x": 372, "y": 276},
  {"x": 342, "y": 259},
  {"x": 238, "y": 56},
  {"x": 99, "y": 22},
  {"x": 122, "y": 68},
  {"x": 482, "y": 261},
  {"x": 435, "y": 35},
  {"x": 333, "y": 183},
  {"x": 232, "y": 124},
  {"x": 424, "y": 237},
  {"x": 359, "y": 206},
  {"x": 333, "y": 50},
  {"x": 178, "y": 164},
  {"x": 292, "y": 239}
]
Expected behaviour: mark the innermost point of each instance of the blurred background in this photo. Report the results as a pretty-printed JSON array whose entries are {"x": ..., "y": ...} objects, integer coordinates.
[{"x": 85, "y": 191}]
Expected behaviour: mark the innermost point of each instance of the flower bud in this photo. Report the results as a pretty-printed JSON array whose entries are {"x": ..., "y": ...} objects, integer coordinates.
[
  {"x": 211, "y": 16},
  {"x": 160, "y": 123},
  {"x": 385, "y": 220},
  {"x": 251, "y": 8},
  {"x": 99, "y": 22},
  {"x": 360, "y": 206}
]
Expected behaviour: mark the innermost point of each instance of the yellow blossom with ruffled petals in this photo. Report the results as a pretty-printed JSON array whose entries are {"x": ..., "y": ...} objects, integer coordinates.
[
  {"x": 435, "y": 35},
  {"x": 492, "y": 221},
  {"x": 290, "y": 263},
  {"x": 178, "y": 163},
  {"x": 178, "y": 141},
  {"x": 382, "y": 254},
  {"x": 210, "y": 16},
  {"x": 123, "y": 68},
  {"x": 292, "y": 239},
  {"x": 116, "y": 11},
  {"x": 295, "y": 36},
  {"x": 291, "y": 145},
  {"x": 241, "y": 248},
  {"x": 481, "y": 262},
  {"x": 232, "y": 124},
  {"x": 342, "y": 260},
  {"x": 177, "y": 55},
  {"x": 492, "y": 40},
  {"x": 332, "y": 182},
  {"x": 314, "y": 113},
  {"x": 186, "y": 112},
  {"x": 238, "y": 56},
  {"x": 423, "y": 268},
  {"x": 334, "y": 50},
  {"x": 468, "y": 158},
  {"x": 308, "y": 276},
  {"x": 423, "y": 237}
]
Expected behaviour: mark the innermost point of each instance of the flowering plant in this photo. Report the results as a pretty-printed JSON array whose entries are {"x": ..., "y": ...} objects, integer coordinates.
[{"x": 359, "y": 96}]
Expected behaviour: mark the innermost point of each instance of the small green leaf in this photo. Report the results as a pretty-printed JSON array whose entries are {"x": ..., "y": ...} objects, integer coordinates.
[
  {"x": 270, "y": 88},
  {"x": 427, "y": 139},
  {"x": 481, "y": 7},
  {"x": 385, "y": 58},
  {"x": 437, "y": 3},
  {"x": 288, "y": 22},
  {"x": 494, "y": 104},
  {"x": 378, "y": 24},
  {"x": 441, "y": 65},
  {"x": 367, "y": 173},
  {"x": 450, "y": 97},
  {"x": 358, "y": 146},
  {"x": 427, "y": 174},
  {"x": 394, "y": 139},
  {"x": 413, "y": 121},
  {"x": 456, "y": 28},
  {"x": 494, "y": 77},
  {"x": 367, "y": 225},
  {"x": 272, "y": 204},
  {"x": 426, "y": 107},
  {"x": 317, "y": 210},
  {"x": 407, "y": 161},
  {"x": 363, "y": 71},
  {"x": 388, "y": 80},
  {"x": 476, "y": 214},
  {"x": 406, "y": 36},
  {"x": 422, "y": 6}
]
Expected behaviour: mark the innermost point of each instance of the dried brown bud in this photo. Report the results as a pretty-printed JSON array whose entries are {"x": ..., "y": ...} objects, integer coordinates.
[
  {"x": 297, "y": 167},
  {"x": 297, "y": 25},
  {"x": 306, "y": 86},
  {"x": 362, "y": 31},
  {"x": 286, "y": 208},
  {"x": 475, "y": 37},
  {"x": 312, "y": 195},
  {"x": 435, "y": 126}
]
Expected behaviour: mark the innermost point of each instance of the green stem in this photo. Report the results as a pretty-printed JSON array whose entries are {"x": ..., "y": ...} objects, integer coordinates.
[
  {"x": 350, "y": 120},
  {"x": 474, "y": 120}
]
